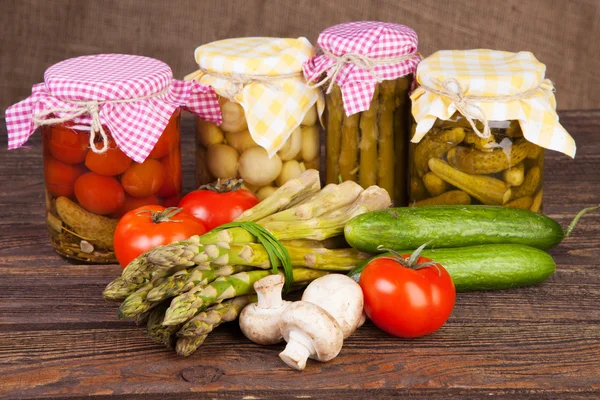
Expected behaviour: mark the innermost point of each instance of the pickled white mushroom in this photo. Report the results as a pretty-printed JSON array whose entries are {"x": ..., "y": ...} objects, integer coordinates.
[
  {"x": 222, "y": 161},
  {"x": 234, "y": 118},
  {"x": 291, "y": 148},
  {"x": 241, "y": 141},
  {"x": 257, "y": 168},
  {"x": 311, "y": 116},
  {"x": 290, "y": 170},
  {"x": 310, "y": 142},
  {"x": 208, "y": 133},
  {"x": 265, "y": 192}
]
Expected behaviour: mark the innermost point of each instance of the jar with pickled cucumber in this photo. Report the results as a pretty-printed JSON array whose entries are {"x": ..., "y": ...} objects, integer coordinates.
[
  {"x": 271, "y": 118},
  {"x": 453, "y": 165},
  {"x": 368, "y": 106},
  {"x": 111, "y": 144},
  {"x": 480, "y": 133}
]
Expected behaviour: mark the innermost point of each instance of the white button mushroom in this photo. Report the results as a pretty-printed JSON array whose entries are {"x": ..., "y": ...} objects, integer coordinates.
[
  {"x": 341, "y": 297},
  {"x": 291, "y": 148},
  {"x": 260, "y": 321},
  {"x": 310, "y": 332}
]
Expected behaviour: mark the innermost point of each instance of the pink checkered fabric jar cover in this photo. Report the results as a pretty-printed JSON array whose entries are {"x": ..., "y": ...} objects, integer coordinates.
[
  {"x": 134, "y": 96},
  {"x": 374, "y": 40}
]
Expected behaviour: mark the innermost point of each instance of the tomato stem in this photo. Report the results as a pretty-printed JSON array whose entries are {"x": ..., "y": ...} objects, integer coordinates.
[
  {"x": 412, "y": 261},
  {"x": 228, "y": 185},
  {"x": 162, "y": 216}
]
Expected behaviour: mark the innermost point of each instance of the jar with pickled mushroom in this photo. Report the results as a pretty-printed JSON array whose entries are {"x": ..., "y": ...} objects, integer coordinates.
[
  {"x": 105, "y": 154},
  {"x": 480, "y": 133},
  {"x": 367, "y": 96},
  {"x": 271, "y": 127}
]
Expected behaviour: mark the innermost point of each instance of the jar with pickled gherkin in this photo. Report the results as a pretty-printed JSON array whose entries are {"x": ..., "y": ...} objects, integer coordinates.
[
  {"x": 111, "y": 144},
  {"x": 271, "y": 118},
  {"x": 482, "y": 120},
  {"x": 366, "y": 69}
]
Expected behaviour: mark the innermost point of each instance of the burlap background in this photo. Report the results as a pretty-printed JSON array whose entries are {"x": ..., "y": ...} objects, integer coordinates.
[{"x": 564, "y": 34}]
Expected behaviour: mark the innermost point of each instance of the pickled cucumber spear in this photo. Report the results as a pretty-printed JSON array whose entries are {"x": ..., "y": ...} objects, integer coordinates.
[
  {"x": 387, "y": 159},
  {"x": 187, "y": 305},
  {"x": 335, "y": 115},
  {"x": 369, "y": 135}
]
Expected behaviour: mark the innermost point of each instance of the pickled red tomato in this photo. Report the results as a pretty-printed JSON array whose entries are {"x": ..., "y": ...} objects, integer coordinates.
[
  {"x": 68, "y": 145},
  {"x": 145, "y": 179},
  {"x": 131, "y": 203},
  {"x": 99, "y": 194},
  {"x": 168, "y": 141},
  {"x": 172, "y": 166},
  {"x": 110, "y": 163},
  {"x": 60, "y": 177}
]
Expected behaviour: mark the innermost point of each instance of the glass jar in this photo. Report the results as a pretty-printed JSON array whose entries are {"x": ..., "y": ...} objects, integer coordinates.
[
  {"x": 453, "y": 165},
  {"x": 228, "y": 151},
  {"x": 370, "y": 147},
  {"x": 87, "y": 192}
]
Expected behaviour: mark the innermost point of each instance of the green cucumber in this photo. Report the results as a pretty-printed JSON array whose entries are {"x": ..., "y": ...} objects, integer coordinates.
[
  {"x": 487, "y": 267},
  {"x": 453, "y": 226}
]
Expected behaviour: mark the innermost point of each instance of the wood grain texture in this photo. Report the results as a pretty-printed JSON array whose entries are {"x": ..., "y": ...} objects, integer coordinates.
[
  {"x": 39, "y": 33},
  {"x": 59, "y": 338}
]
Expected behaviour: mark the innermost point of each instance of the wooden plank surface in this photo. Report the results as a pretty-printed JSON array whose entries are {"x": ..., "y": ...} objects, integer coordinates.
[{"x": 59, "y": 338}]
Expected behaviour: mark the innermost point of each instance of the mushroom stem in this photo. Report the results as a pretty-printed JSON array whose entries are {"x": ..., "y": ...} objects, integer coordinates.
[
  {"x": 269, "y": 292},
  {"x": 299, "y": 348}
]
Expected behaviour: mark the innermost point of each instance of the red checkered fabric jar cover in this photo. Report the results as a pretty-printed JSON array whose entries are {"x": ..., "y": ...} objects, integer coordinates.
[
  {"x": 366, "y": 52},
  {"x": 133, "y": 96}
]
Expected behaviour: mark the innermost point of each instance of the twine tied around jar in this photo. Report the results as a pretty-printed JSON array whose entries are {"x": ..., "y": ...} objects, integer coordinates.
[
  {"x": 360, "y": 60},
  {"x": 92, "y": 108},
  {"x": 239, "y": 81},
  {"x": 465, "y": 105}
]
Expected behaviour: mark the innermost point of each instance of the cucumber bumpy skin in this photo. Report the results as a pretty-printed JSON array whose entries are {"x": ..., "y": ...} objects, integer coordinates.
[
  {"x": 451, "y": 226},
  {"x": 487, "y": 267}
]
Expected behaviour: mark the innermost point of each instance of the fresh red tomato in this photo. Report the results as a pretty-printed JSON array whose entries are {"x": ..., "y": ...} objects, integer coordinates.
[
  {"x": 145, "y": 179},
  {"x": 407, "y": 296},
  {"x": 218, "y": 204},
  {"x": 68, "y": 145},
  {"x": 60, "y": 177},
  {"x": 99, "y": 194},
  {"x": 110, "y": 163},
  {"x": 150, "y": 226}
]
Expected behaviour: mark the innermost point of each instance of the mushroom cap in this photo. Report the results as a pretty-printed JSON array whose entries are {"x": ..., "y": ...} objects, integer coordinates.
[
  {"x": 341, "y": 297},
  {"x": 261, "y": 325},
  {"x": 317, "y": 324}
]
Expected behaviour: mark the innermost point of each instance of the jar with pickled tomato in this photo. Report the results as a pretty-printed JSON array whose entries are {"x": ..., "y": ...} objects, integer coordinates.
[
  {"x": 105, "y": 153},
  {"x": 480, "y": 132},
  {"x": 271, "y": 131}
]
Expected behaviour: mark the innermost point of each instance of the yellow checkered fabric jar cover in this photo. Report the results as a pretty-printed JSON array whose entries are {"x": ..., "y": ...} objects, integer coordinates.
[
  {"x": 500, "y": 85},
  {"x": 264, "y": 75}
]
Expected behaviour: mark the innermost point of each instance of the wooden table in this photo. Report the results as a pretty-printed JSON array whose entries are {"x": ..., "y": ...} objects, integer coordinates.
[{"x": 59, "y": 338}]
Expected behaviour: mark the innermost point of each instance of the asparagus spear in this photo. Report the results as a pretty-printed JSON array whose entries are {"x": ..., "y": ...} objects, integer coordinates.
[
  {"x": 385, "y": 176},
  {"x": 187, "y": 305},
  {"x": 348, "y": 161},
  {"x": 335, "y": 115},
  {"x": 330, "y": 198},
  {"x": 331, "y": 224},
  {"x": 369, "y": 134},
  {"x": 158, "y": 332},
  {"x": 119, "y": 289},
  {"x": 185, "y": 280},
  {"x": 290, "y": 193},
  {"x": 137, "y": 302}
]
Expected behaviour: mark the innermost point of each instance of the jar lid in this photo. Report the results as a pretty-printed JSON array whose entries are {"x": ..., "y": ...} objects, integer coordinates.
[
  {"x": 489, "y": 85},
  {"x": 264, "y": 75},
  {"x": 133, "y": 96},
  {"x": 358, "y": 55}
]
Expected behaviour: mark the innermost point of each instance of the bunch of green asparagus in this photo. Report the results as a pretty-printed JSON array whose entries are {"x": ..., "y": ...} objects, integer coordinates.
[{"x": 182, "y": 291}]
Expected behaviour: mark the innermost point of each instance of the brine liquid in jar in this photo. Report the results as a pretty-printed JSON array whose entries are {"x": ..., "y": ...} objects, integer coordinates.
[
  {"x": 87, "y": 192},
  {"x": 453, "y": 165}
]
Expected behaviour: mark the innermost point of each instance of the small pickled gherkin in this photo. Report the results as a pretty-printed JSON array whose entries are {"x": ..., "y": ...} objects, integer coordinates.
[
  {"x": 452, "y": 163},
  {"x": 370, "y": 147}
]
